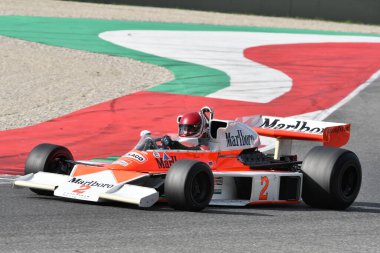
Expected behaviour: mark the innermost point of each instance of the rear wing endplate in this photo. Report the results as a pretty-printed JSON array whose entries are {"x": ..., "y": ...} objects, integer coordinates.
[{"x": 329, "y": 133}]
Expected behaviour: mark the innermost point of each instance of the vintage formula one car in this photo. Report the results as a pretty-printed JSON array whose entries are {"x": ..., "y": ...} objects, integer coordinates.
[{"x": 231, "y": 172}]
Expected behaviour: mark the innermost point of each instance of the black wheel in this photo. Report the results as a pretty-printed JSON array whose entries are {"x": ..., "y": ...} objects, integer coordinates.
[
  {"x": 48, "y": 158},
  {"x": 189, "y": 185},
  {"x": 332, "y": 178}
]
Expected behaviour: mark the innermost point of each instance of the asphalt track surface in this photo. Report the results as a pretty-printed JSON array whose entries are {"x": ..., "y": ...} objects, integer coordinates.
[{"x": 32, "y": 223}]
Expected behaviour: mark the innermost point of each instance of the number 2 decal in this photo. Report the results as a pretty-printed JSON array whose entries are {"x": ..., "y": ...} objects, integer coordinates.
[
  {"x": 264, "y": 193},
  {"x": 82, "y": 189}
]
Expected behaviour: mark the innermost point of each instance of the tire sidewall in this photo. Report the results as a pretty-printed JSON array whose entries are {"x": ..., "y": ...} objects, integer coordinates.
[
  {"x": 191, "y": 175},
  {"x": 179, "y": 182},
  {"x": 324, "y": 169},
  {"x": 348, "y": 161},
  {"x": 41, "y": 158}
]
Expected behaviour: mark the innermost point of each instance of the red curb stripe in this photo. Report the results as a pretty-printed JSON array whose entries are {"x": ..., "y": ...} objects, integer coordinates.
[{"x": 323, "y": 74}]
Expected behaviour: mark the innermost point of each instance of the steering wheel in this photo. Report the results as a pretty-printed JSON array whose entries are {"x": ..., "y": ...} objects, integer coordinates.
[
  {"x": 151, "y": 143},
  {"x": 166, "y": 142}
]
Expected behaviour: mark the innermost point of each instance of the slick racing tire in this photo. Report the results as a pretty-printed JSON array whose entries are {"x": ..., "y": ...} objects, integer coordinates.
[
  {"x": 189, "y": 185},
  {"x": 48, "y": 158},
  {"x": 332, "y": 178}
]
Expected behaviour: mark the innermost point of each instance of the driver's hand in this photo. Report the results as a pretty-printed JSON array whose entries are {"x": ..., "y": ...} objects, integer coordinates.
[{"x": 166, "y": 141}]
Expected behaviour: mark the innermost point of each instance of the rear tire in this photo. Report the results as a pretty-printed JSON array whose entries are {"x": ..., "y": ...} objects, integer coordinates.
[
  {"x": 48, "y": 158},
  {"x": 332, "y": 178},
  {"x": 189, "y": 185}
]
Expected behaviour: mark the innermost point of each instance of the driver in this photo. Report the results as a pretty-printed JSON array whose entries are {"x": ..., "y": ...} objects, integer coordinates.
[{"x": 194, "y": 125}]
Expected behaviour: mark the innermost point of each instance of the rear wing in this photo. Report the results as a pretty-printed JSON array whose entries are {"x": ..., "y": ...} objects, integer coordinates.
[{"x": 329, "y": 133}]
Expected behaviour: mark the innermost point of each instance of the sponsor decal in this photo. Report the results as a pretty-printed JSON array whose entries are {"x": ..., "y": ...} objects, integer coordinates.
[
  {"x": 166, "y": 157},
  {"x": 136, "y": 156},
  {"x": 240, "y": 139},
  {"x": 82, "y": 189},
  {"x": 156, "y": 154},
  {"x": 338, "y": 129},
  {"x": 93, "y": 183},
  {"x": 218, "y": 181},
  {"x": 298, "y": 125},
  {"x": 166, "y": 164}
]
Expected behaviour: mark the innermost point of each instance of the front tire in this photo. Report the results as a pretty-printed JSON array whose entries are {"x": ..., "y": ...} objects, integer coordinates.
[
  {"x": 48, "y": 158},
  {"x": 332, "y": 178},
  {"x": 189, "y": 185}
]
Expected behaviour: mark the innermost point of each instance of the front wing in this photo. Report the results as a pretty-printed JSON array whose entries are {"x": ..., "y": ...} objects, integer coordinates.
[{"x": 83, "y": 188}]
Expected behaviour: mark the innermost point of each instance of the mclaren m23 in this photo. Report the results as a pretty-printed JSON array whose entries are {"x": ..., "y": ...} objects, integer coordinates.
[{"x": 231, "y": 172}]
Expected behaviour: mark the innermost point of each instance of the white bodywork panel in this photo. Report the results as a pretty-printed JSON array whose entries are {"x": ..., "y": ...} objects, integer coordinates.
[
  {"x": 234, "y": 136},
  {"x": 133, "y": 194},
  {"x": 41, "y": 180},
  {"x": 265, "y": 187},
  {"x": 285, "y": 130},
  {"x": 87, "y": 187},
  {"x": 287, "y": 124},
  {"x": 91, "y": 187},
  {"x": 283, "y": 148}
]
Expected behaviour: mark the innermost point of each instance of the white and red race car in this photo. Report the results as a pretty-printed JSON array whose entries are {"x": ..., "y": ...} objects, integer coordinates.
[{"x": 231, "y": 172}]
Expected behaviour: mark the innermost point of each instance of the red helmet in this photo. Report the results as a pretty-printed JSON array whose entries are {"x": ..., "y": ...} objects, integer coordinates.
[{"x": 191, "y": 125}]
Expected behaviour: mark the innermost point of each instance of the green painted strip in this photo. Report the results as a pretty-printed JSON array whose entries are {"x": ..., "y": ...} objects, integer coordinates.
[
  {"x": 106, "y": 159},
  {"x": 82, "y": 34}
]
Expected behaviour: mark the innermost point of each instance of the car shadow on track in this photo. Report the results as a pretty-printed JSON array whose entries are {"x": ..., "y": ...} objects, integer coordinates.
[
  {"x": 356, "y": 207},
  {"x": 255, "y": 210},
  {"x": 364, "y": 207},
  {"x": 159, "y": 207}
]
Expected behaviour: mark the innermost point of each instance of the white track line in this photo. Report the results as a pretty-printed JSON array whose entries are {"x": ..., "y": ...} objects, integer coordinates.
[{"x": 223, "y": 50}]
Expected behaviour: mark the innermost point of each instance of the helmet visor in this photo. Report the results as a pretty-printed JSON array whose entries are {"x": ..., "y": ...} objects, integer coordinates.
[{"x": 188, "y": 130}]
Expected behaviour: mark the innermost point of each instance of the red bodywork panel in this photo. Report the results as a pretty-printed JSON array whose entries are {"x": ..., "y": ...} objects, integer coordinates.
[{"x": 136, "y": 162}]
